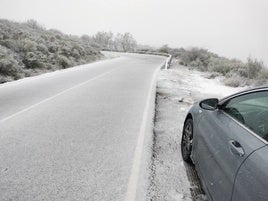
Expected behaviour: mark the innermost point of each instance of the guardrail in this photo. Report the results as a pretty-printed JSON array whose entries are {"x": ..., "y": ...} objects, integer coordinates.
[
  {"x": 165, "y": 66},
  {"x": 168, "y": 61}
]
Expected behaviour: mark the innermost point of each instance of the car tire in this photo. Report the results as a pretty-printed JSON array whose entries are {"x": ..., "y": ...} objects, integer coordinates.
[{"x": 186, "y": 140}]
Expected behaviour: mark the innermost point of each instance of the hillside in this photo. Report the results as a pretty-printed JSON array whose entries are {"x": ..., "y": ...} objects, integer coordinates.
[
  {"x": 28, "y": 49},
  {"x": 236, "y": 72}
]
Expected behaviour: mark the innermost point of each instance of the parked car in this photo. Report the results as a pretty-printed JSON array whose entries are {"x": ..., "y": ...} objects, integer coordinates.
[{"x": 227, "y": 142}]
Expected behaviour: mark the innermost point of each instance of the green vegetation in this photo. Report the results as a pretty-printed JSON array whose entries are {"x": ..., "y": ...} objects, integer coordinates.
[
  {"x": 28, "y": 49},
  {"x": 237, "y": 73}
]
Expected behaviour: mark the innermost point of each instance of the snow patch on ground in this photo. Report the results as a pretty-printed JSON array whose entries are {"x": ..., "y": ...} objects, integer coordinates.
[{"x": 177, "y": 89}]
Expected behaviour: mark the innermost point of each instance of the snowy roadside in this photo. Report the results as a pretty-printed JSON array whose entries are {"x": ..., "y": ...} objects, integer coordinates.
[{"x": 177, "y": 89}]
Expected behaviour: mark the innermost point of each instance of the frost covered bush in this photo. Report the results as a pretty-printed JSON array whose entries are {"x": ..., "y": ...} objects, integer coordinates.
[
  {"x": 27, "y": 45},
  {"x": 223, "y": 65},
  {"x": 9, "y": 66},
  {"x": 253, "y": 68},
  {"x": 64, "y": 62},
  {"x": 235, "y": 80},
  {"x": 11, "y": 44},
  {"x": 237, "y": 73},
  {"x": 42, "y": 48},
  {"x": 196, "y": 57},
  {"x": 164, "y": 49},
  {"x": 75, "y": 53},
  {"x": 262, "y": 77},
  {"x": 253, "y": 72},
  {"x": 33, "y": 60},
  {"x": 32, "y": 49}
]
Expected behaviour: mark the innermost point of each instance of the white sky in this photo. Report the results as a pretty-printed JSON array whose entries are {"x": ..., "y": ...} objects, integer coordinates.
[{"x": 232, "y": 28}]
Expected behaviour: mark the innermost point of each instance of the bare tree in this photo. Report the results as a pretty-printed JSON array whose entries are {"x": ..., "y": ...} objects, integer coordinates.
[
  {"x": 117, "y": 42},
  {"x": 125, "y": 42},
  {"x": 104, "y": 39},
  {"x": 107, "y": 41},
  {"x": 128, "y": 42},
  {"x": 34, "y": 24}
]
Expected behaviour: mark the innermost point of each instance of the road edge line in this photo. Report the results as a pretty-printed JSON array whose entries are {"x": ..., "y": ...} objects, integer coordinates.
[{"x": 136, "y": 165}]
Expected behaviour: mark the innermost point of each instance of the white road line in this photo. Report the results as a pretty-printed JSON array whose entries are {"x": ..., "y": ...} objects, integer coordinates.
[
  {"x": 135, "y": 170},
  {"x": 52, "y": 97}
]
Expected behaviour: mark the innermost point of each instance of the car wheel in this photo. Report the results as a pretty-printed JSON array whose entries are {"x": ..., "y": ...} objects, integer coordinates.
[{"x": 186, "y": 140}]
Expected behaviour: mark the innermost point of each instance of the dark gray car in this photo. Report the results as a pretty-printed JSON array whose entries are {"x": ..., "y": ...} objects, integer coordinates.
[{"x": 227, "y": 142}]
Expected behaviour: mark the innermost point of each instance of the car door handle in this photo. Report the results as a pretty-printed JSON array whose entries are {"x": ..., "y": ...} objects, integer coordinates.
[{"x": 236, "y": 148}]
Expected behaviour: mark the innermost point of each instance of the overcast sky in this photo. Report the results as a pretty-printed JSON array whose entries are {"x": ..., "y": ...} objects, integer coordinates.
[{"x": 232, "y": 28}]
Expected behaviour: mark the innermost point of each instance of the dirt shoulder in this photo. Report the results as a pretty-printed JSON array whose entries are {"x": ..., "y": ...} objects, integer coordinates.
[{"x": 177, "y": 89}]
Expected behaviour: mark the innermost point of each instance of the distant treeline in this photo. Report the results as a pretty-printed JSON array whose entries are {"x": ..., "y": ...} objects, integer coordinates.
[
  {"x": 109, "y": 41},
  {"x": 236, "y": 72},
  {"x": 28, "y": 48}
]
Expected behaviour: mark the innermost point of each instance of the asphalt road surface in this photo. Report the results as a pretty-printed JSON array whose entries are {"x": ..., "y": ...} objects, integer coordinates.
[{"x": 76, "y": 134}]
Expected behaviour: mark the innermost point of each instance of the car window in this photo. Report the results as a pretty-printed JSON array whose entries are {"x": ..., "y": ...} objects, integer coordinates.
[{"x": 251, "y": 110}]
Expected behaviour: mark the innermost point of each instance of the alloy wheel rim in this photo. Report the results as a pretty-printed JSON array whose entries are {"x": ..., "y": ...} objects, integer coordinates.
[{"x": 187, "y": 141}]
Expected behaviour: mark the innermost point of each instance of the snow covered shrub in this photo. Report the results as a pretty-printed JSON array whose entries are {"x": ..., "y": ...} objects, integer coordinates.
[
  {"x": 52, "y": 48},
  {"x": 223, "y": 65},
  {"x": 66, "y": 51},
  {"x": 235, "y": 81},
  {"x": 196, "y": 57},
  {"x": 42, "y": 48},
  {"x": 11, "y": 44},
  {"x": 262, "y": 77},
  {"x": 64, "y": 62},
  {"x": 253, "y": 68},
  {"x": 9, "y": 66},
  {"x": 33, "y": 61},
  {"x": 4, "y": 79},
  {"x": 32, "y": 49},
  {"x": 164, "y": 49},
  {"x": 27, "y": 45},
  {"x": 75, "y": 53}
]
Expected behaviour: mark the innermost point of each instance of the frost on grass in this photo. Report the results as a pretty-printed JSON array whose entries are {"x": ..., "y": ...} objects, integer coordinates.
[{"x": 177, "y": 89}]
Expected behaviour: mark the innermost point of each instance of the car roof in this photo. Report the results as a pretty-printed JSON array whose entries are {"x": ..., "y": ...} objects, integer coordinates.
[{"x": 249, "y": 90}]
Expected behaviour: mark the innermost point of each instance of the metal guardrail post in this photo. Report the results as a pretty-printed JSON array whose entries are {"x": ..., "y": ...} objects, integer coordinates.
[{"x": 168, "y": 61}]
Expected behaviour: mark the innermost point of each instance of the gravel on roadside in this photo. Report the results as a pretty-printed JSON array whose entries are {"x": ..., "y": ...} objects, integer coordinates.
[{"x": 177, "y": 89}]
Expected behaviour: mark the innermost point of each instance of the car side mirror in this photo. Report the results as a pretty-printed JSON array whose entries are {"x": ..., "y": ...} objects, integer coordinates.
[{"x": 209, "y": 104}]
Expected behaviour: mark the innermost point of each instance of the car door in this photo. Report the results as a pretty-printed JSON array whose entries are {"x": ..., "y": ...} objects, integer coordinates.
[
  {"x": 252, "y": 179},
  {"x": 221, "y": 143}
]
